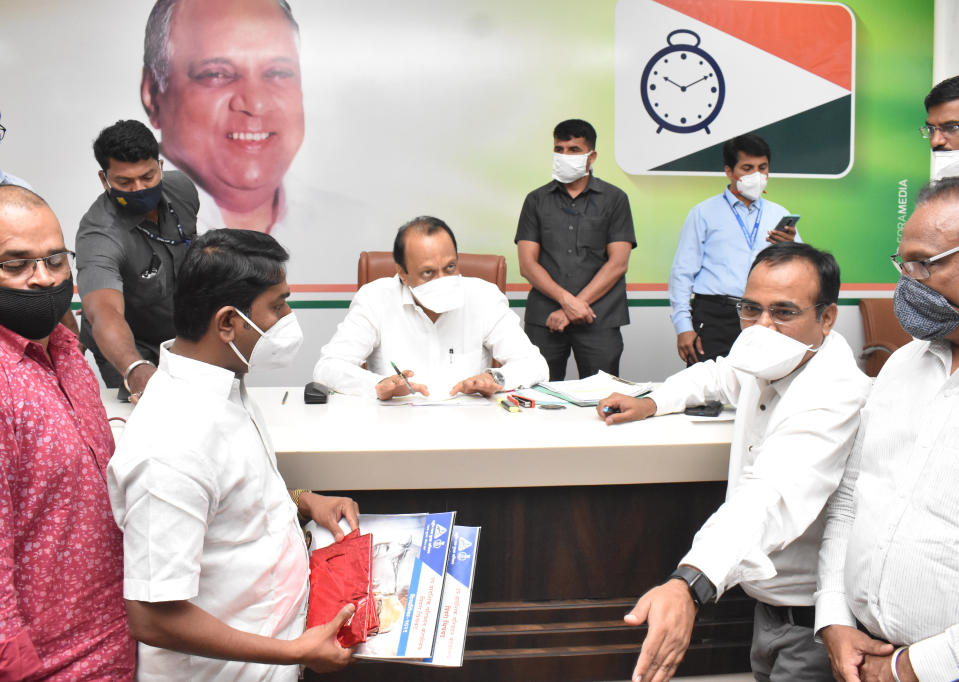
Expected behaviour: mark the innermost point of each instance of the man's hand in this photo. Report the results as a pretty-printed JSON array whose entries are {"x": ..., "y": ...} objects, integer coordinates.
[
  {"x": 481, "y": 383},
  {"x": 327, "y": 512},
  {"x": 577, "y": 310},
  {"x": 623, "y": 408},
  {"x": 394, "y": 386},
  {"x": 670, "y": 612},
  {"x": 321, "y": 652},
  {"x": 557, "y": 320},
  {"x": 689, "y": 346},
  {"x": 138, "y": 381},
  {"x": 877, "y": 668},
  {"x": 847, "y": 648},
  {"x": 787, "y": 235}
]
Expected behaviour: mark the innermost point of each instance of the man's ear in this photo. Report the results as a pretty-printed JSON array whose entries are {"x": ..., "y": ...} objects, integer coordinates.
[
  {"x": 149, "y": 97},
  {"x": 224, "y": 321},
  {"x": 401, "y": 272},
  {"x": 103, "y": 180},
  {"x": 828, "y": 318}
]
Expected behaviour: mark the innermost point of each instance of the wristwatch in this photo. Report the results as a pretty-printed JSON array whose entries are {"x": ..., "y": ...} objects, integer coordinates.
[
  {"x": 700, "y": 587},
  {"x": 497, "y": 376}
]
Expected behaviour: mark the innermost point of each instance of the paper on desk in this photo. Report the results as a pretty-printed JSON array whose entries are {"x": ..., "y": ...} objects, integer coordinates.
[
  {"x": 458, "y": 400},
  {"x": 589, "y": 391}
]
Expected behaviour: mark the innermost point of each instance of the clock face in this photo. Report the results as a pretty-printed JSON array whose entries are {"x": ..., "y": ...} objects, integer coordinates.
[{"x": 683, "y": 89}]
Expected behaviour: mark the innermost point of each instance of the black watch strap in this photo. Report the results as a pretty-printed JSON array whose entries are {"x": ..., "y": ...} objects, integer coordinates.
[{"x": 700, "y": 587}]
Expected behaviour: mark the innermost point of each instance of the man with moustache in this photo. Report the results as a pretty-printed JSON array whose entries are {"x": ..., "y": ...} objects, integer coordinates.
[
  {"x": 222, "y": 81},
  {"x": 61, "y": 554},
  {"x": 887, "y": 608}
]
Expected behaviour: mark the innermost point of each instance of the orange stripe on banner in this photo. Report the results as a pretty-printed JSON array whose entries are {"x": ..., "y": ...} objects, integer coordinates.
[
  {"x": 817, "y": 38},
  {"x": 868, "y": 286}
]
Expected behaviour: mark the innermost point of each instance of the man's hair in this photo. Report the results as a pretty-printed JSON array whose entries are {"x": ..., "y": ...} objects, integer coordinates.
[
  {"x": 426, "y": 225},
  {"x": 156, "y": 41},
  {"x": 750, "y": 144},
  {"x": 16, "y": 196},
  {"x": 943, "y": 92},
  {"x": 823, "y": 261},
  {"x": 946, "y": 188},
  {"x": 128, "y": 141},
  {"x": 224, "y": 268},
  {"x": 575, "y": 127}
]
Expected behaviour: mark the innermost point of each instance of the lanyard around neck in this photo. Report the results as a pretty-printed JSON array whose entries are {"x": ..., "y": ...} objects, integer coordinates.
[{"x": 749, "y": 236}]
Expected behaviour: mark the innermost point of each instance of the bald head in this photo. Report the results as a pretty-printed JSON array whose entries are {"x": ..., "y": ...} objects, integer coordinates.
[
  {"x": 16, "y": 196},
  {"x": 28, "y": 227}
]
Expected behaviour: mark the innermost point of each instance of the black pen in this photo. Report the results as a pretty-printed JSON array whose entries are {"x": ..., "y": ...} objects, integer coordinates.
[
  {"x": 610, "y": 410},
  {"x": 403, "y": 377},
  {"x": 285, "y": 396}
]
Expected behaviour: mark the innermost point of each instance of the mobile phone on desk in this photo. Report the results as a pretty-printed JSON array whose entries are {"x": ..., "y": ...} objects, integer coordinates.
[
  {"x": 315, "y": 394},
  {"x": 712, "y": 408},
  {"x": 786, "y": 222}
]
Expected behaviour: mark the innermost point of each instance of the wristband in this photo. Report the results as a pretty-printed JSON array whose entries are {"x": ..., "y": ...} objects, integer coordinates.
[
  {"x": 894, "y": 660},
  {"x": 133, "y": 366}
]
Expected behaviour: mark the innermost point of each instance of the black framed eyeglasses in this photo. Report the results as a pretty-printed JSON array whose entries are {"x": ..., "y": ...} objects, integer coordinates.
[
  {"x": 3, "y": 131},
  {"x": 947, "y": 130},
  {"x": 780, "y": 314},
  {"x": 23, "y": 268},
  {"x": 918, "y": 269}
]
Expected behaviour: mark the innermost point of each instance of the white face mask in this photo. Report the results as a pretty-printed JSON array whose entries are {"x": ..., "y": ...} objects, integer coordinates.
[
  {"x": 945, "y": 164},
  {"x": 570, "y": 167},
  {"x": 276, "y": 346},
  {"x": 751, "y": 186},
  {"x": 766, "y": 353},
  {"x": 440, "y": 295}
]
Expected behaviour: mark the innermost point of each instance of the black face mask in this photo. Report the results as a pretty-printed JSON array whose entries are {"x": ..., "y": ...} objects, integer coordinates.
[
  {"x": 141, "y": 201},
  {"x": 34, "y": 313}
]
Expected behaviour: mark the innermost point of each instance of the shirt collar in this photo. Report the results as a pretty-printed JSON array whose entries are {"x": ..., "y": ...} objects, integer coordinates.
[
  {"x": 216, "y": 379},
  {"x": 732, "y": 200},
  {"x": 60, "y": 338},
  {"x": 592, "y": 186}
]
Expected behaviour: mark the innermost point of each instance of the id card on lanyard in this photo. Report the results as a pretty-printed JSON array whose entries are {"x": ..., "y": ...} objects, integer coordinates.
[{"x": 749, "y": 236}]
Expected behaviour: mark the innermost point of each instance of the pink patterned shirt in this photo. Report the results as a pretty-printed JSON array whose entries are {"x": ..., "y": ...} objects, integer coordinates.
[{"x": 62, "y": 614}]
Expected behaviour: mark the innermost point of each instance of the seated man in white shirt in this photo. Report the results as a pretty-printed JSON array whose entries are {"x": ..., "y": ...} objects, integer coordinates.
[
  {"x": 436, "y": 325},
  {"x": 889, "y": 564},
  {"x": 797, "y": 392},
  {"x": 215, "y": 563}
]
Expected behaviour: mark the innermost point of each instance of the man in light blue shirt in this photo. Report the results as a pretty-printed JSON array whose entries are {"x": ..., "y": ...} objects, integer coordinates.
[
  {"x": 6, "y": 178},
  {"x": 719, "y": 240}
]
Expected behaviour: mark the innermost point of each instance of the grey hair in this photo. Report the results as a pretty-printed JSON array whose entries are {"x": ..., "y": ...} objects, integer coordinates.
[
  {"x": 156, "y": 41},
  {"x": 946, "y": 188}
]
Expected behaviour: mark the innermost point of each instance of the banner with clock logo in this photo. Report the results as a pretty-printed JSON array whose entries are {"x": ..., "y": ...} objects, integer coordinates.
[{"x": 692, "y": 74}]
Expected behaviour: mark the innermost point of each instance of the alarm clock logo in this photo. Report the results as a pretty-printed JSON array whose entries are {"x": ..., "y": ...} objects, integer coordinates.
[{"x": 682, "y": 86}]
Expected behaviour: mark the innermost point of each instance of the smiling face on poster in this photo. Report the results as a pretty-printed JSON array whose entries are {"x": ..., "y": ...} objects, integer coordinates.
[{"x": 222, "y": 84}]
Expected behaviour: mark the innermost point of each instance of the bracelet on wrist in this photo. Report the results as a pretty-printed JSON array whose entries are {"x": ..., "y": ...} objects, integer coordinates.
[
  {"x": 132, "y": 366},
  {"x": 894, "y": 661}
]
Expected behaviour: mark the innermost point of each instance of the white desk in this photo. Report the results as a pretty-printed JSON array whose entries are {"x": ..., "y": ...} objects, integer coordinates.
[{"x": 357, "y": 444}]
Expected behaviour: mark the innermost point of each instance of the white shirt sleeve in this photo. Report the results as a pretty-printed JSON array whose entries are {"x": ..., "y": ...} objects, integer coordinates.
[
  {"x": 710, "y": 380},
  {"x": 355, "y": 338},
  {"x": 163, "y": 512},
  {"x": 523, "y": 365}
]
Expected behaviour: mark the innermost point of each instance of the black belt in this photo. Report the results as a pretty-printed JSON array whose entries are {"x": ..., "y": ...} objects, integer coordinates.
[
  {"x": 722, "y": 299},
  {"x": 863, "y": 628},
  {"x": 803, "y": 616}
]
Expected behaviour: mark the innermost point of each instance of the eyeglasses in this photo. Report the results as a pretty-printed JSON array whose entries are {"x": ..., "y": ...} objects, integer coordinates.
[
  {"x": 780, "y": 314},
  {"x": 3, "y": 131},
  {"x": 23, "y": 268},
  {"x": 947, "y": 130},
  {"x": 918, "y": 269}
]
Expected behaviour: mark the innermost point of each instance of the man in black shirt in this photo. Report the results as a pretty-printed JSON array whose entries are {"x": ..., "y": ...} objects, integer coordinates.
[{"x": 574, "y": 238}]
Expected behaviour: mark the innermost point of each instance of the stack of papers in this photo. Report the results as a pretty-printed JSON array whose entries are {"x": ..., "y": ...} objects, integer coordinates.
[
  {"x": 422, "y": 581},
  {"x": 589, "y": 391}
]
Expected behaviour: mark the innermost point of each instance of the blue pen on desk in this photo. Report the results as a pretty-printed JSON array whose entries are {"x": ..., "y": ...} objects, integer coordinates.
[{"x": 403, "y": 377}]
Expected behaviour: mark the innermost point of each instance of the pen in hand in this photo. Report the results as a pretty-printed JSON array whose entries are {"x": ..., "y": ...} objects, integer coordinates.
[
  {"x": 610, "y": 410},
  {"x": 403, "y": 377}
]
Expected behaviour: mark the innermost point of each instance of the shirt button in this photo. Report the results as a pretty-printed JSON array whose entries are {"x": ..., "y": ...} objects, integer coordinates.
[
  {"x": 749, "y": 449},
  {"x": 569, "y": 250},
  {"x": 762, "y": 407},
  {"x": 571, "y": 227}
]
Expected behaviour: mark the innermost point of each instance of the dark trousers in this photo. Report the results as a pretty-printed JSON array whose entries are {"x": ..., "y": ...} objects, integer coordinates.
[
  {"x": 716, "y": 322},
  {"x": 594, "y": 348}
]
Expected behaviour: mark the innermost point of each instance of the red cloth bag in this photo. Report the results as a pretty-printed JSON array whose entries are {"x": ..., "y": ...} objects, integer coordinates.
[{"x": 341, "y": 574}]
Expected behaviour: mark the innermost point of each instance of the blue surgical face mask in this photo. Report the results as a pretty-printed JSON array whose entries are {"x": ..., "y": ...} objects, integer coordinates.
[{"x": 922, "y": 311}]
